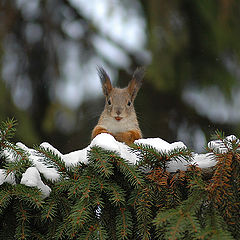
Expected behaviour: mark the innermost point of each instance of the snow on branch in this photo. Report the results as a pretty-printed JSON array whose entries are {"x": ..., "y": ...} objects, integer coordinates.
[{"x": 32, "y": 176}]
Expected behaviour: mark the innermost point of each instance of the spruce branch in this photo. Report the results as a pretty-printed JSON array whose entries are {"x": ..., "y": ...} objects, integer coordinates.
[
  {"x": 224, "y": 144},
  {"x": 19, "y": 161},
  {"x": 49, "y": 210},
  {"x": 180, "y": 154},
  {"x": 174, "y": 193},
  {"x": 182, "y": 218},
  {"x": 132, "y": 174},
  {"x": 148, "y": 155},
  {"x": 62, "y": 230},
  {"x": 63, "y": 185},
  {"x": 110, "y": 198},
  {"x": 36, "y": 235},
  {"x": 153, "y": 158},
  {"x": 7, "y": 130},
  {"x": 124, "y": 223},
  {"x": 116, "y": 194},
  {"x": 51, "y": 159},
  {"x": 160, "y": 177},
  {"x": 99, "y": 160},
  {"x": 144, "y": 213},
  {"x": 23, "y": 230},
  {"x": 97, "y": 203},
  {"x": 219, "y": 135},
  {"x": 224, "y": 186},
  {"x": 86, "y": 187},
  {"x": 95, "y": 231},
  {"x": 74, "y": 188},
  {"x": 104, "y": 161},
  {"x": 166, "y": 188},
  {"x": 80, "y": 215},
  {"x": 100, "y": 233},
  {"x": 30, "y": 195},
  {"x": 78, "y": 170},
  {"x": 215, "y": 227},
  {"x": 5, "y": 197},
  {"x": 220, "y": 188}
]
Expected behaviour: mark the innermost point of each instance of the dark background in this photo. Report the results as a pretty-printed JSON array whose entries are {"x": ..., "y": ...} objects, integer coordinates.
[{"x": 49, "y": 51}]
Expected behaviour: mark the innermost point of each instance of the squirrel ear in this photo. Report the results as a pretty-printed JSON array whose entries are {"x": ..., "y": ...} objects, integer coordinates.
[
  {"x": 136, "y": 82},
  {"x": 105, "y": 81}
]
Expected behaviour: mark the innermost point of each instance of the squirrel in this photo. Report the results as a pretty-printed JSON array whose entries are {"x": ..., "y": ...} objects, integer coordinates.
[{"x": 119, "y": 117}]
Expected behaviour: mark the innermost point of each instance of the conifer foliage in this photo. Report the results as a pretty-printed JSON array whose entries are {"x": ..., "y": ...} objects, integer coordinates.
[{"x": 110, "y": 198}]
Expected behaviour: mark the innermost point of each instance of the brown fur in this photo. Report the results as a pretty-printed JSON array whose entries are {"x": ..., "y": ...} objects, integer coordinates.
[
  {"x": 128, "y": 137},
  {"x": 97, "y": 130},
  {"x": 118, "y": 117}
]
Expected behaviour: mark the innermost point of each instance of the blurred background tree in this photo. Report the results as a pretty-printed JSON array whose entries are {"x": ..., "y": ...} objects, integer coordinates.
[{"x": 49, "y": 51}]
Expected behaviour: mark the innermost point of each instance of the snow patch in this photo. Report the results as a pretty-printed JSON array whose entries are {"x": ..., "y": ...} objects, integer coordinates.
[
  {"x": 32, "y": 178},
  {"x": 160, "y": 144},
  {"x": 48, "y": 172},
  {"x": 223, "y": 146},
  {"x": 106, "y": 141},
  {"x": 73, "y": 158},
  {"x": 163, "y": 146},
  {"x": 204, "y": 160},
  {"x": 6, "y": 178}
]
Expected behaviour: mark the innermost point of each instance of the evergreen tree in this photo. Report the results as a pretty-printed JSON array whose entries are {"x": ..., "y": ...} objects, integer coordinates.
[{"x": 110, "y": 198}]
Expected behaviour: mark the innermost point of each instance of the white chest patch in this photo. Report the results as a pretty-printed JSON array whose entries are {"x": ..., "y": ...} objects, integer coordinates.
[{"x": 115, "y": 126}]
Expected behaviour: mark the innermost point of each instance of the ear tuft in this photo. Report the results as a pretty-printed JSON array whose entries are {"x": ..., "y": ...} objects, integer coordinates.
[
  {"x": 139, "y": 74},
  {"x": 136, "y": 82},
  {"x": 105, "y": 81}
]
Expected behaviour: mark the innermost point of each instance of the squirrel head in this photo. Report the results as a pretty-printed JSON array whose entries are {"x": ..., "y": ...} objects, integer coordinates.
[{"x": 119, "y": 101}]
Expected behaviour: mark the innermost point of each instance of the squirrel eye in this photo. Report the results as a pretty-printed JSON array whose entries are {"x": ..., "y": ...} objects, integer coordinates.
[
  {"x": 129, "y": 103},
  {"x": 109, "y": 102}
]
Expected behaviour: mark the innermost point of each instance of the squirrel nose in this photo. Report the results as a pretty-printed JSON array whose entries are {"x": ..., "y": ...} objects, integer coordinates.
[{"x": 118, "y": 111}]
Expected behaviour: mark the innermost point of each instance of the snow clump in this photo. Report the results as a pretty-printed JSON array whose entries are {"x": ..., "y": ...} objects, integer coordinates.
[{"x": 106, "y": 141}]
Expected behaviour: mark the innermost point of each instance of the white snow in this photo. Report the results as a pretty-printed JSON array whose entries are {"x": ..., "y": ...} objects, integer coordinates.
[
  {"x": 32, "y": 178},
  {"x": 204, "y": 160},
  {"x": 160, "y": 144},
  {"x": 9, "y": 155},
  {"x": 48, "y": 172},
  {"x": 10, "y": 178},
  {"x": 106, "y": 141},
  {"x": 73, "y": 158},
  {"x": 163, "y": 146},
  {"x": 221, "y": 147}
]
